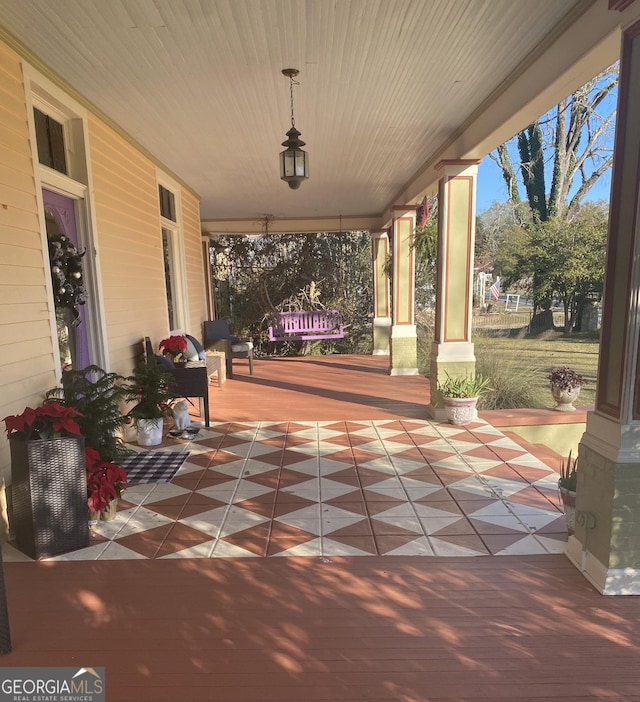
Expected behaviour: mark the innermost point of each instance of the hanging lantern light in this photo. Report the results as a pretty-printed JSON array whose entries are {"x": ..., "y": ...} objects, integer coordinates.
[{"x": 294, "y": 161}]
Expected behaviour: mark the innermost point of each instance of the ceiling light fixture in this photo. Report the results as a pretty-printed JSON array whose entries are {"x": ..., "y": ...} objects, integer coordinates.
[{"x": 294, "y": 162}]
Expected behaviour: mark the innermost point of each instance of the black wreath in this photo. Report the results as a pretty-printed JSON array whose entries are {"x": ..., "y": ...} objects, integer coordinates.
[{"x": 66, "y": 273}]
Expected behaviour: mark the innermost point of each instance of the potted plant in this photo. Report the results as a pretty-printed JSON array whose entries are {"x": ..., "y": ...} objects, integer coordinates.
[
  {"x": 49, "y": 489},
  {"x": 460, "y": 396},
  {"x": 152, "y": 390},
  {"x": 567, "y": 483},
  {"x": 565, "y": 386},
  {"x": 98, "y": 397},
  {"x": 174, "y": 348},
  {"x": 105, "y": 483}
]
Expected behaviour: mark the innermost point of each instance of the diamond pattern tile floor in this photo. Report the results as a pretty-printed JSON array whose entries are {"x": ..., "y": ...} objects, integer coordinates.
[{"x": 273, "y": 489}]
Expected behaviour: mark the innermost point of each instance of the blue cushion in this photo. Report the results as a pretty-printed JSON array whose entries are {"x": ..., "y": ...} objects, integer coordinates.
[
  {"x": 200, "y": 354},
  {"x": 164, "y": 361}
]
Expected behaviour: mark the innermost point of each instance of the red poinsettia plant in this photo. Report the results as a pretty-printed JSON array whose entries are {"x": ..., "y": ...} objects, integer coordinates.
[
  {"x": 174, "y": 346},
  {"x": 105, "y": 480},
  {"x": 49, "y": 421}
]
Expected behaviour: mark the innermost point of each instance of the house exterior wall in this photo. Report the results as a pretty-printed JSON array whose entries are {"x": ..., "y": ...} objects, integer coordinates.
[{"x": 126, "y": 229}]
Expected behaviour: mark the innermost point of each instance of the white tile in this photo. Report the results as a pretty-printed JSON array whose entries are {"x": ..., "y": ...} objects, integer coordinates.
[
  {"x": 224, "y": 550},
  {"x": 141, "y": 520},
  {"x": 417, "y": 547},
  {"x": 396, "y": 493},
  {"x": 10, "y": 554},
  {"x": 425, "y": 510},
  {"x": 503, "y": 487},
  {"x": 397, "y": 517},
  {"x": 310, "y": 548},
  {"x": 524, "y": 547},
  {"x": 305, "y": 523},
  {"x": 433, "y": 524},
  {"x": 507, "y": 521},
  {"x": 327, "y": 466},
  {"x": 551, "y": 545},
  {"x": 335, "y": 548},
  {"x": 330, "y": 489},
  {"x": 160, "y": 491},
  {"x": 200, "y": 551},
  {"x": 118, "y": 552},
  {"x": 247, "y": 489},
  {"x": 497, "y": 509},
  {"x": 208, "y": 522},
  {"x": 240, "y": 519},
  {"x": 416, "y": 489},
  {"x": 445, "y": 548}
]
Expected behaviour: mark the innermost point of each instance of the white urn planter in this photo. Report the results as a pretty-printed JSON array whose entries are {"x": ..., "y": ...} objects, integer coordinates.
[
  {"x": 564, "y": 397},
  {"x": 150, "y": 431},
  {"x": 460, "y": 410}
]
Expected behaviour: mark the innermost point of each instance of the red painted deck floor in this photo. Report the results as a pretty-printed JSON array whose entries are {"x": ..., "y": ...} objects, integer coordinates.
[{"x": 222, "y": 623}]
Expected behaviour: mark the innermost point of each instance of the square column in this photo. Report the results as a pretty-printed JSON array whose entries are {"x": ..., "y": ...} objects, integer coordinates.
[
  {"x": 606, "y": 545},
  {"x": 381, "y": 293},
  {"x": 452, "y": 351},
  {"x": 404, "y": 343}
]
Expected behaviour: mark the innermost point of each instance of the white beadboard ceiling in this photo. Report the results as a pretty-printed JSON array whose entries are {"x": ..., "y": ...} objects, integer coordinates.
[{"x": 383, "y": 85}]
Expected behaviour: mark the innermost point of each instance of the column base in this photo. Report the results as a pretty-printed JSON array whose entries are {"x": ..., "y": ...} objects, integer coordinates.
[
  {"x": 607, "y": 581},
  {"x": 405, "y": 371}
]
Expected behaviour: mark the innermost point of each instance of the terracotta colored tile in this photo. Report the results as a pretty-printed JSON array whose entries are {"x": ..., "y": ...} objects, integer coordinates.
[
  {"x": 530, "y": 497},
  {"x": 339, "y": 440},
  {"x": 273, "y": 441},
  {"x": 289, "y": 478},
  {"x": 502, "y": 471},
  {"x": 379, "y": 506},
  {"x": 557, "y": 526},
  {"x": 345, "y": 456},
  {"x": 470, "y": 506},
  {"x": 146, "y": 542},
  {"x": 381, "y": 528},
  {"x": 293, "y": 440},
  {"x": 263, "y": 504},
  {"x": 292, "y": 504},
  {"x": 222, "y": 457},
  {"x": 274, "y": 458},
  {"x": 499, "y": 542},
  {"x": 231, "y": 441},
  {"x": 467, "y": 541},
  {"x": 202, "y": 459},
  {"x": 284, "y": 537},
  {"x": 269, "y": 479},
  {"x": 361, "y": 528},
  {"x": 435, "y": 496},
  {"x": 418, "y": 454},
  {"x": 364, "y": 543},
  {"x": 483, "y": 528},
  {"x": 454, "y": 527},
  {"x": 357, "y": 507},
  {"x": 212, "y": 443},
  {"x": 390, "y": 542},
  {"x": 349, "y": 476},
  {"x": 290, "y": 458},
  {"x": 507, "y": 454},
  {"x": 254, "y": 539}
]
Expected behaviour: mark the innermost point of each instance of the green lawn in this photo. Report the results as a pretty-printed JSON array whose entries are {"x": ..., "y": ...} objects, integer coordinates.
[
  {"x": 530, "y": 359},
  {"x": 536, "y": 357}
]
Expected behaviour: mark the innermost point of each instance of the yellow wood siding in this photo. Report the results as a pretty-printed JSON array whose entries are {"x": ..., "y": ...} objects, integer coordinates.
[
  {"x": 196, "y": 294},
  {"x": 26, "y": 352}
]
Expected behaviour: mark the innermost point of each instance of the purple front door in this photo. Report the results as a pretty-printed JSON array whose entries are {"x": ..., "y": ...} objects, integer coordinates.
[{"x": 73, "y": 340}]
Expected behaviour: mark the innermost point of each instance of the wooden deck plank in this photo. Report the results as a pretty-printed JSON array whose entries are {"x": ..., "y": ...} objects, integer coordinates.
[{"x": 410, "y": 629}]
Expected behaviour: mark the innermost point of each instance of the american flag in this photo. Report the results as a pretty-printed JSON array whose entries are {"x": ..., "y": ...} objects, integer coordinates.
[{"x": 495, "y": 289}]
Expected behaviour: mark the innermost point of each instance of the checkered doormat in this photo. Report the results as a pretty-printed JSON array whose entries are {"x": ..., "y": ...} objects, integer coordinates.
[{"x": 153, "y": 466}]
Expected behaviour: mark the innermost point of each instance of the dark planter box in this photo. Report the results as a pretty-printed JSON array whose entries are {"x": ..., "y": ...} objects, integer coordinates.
[{"x": 49, "y": 495}]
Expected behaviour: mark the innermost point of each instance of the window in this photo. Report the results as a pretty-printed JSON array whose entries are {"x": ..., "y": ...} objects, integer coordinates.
[
  {"x": 169, "y": 276},
  {"x": 172, "y": 252},
  {"x": 50, "y": 142},
  {"x": 167, "y": 203}
]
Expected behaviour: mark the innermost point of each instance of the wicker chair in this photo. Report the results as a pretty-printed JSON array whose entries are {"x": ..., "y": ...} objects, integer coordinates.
[{"x": 218, "y": 337}]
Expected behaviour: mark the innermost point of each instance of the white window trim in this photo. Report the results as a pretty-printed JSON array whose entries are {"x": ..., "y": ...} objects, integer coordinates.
[
  {"x": 181, "y": 306},
  {"x": 42, "y": 93}
]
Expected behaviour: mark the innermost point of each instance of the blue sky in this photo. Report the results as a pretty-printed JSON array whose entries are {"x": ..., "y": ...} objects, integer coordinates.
[{"x": 491, "y": 187}]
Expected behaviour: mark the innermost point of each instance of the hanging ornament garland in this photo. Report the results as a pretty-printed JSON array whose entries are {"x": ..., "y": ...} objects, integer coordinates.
[{"x": 66, "y": 274}]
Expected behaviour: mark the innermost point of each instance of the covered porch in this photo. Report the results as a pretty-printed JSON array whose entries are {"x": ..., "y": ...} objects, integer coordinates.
[{"x": 447, "y": 584}]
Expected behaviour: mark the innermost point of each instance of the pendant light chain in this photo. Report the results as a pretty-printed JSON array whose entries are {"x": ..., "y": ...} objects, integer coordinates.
[{"x": 291, "y": 84}]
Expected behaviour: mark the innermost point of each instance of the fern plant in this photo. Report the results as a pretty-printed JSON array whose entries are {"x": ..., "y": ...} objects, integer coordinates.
[{"x": 97, "y": 395}]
